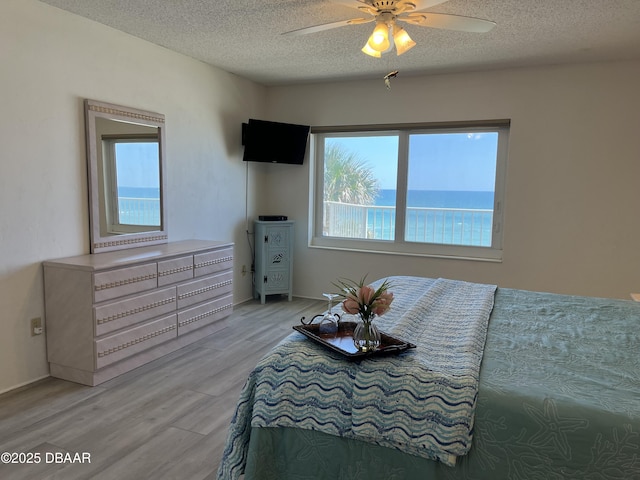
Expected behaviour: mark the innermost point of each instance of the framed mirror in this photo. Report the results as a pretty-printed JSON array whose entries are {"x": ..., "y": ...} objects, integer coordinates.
[{"x": 126, "y": 172}]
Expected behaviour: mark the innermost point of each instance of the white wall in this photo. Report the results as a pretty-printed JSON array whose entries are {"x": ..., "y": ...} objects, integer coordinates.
[
  {"x": 573, "y": 175},
  {"x": 51, "y": 61}
]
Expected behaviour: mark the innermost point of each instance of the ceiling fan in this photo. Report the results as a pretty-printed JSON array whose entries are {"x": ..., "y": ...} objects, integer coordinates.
[{"x": 387, "y": 13}]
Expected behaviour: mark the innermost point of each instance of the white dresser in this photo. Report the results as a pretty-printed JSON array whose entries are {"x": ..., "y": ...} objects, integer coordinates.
[{"x": 108, "y": 313}]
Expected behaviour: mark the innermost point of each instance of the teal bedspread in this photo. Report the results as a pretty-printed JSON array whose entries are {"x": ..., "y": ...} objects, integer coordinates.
[{"x": 559, "y": 398}]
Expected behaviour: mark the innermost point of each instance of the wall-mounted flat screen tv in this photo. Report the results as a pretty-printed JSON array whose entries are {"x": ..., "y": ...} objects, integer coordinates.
[{"x": 274, "y": 142}]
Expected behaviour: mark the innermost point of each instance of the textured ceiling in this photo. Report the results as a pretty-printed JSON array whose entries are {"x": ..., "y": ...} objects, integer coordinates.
[{"x": 244, "y": 36}]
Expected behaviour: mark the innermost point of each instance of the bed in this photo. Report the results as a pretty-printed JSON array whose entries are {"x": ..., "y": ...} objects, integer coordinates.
[{"x": 558, "y": 397}]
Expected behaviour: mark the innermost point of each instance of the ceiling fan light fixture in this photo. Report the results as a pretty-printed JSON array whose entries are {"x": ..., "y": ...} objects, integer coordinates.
[
  {"x": 403, "y": 41},
  {"x": 379, "y": 39},
  {"x": 387, "y": 34}
]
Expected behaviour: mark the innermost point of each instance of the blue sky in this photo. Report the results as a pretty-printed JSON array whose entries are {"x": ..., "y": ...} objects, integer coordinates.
[
  {"x": 451, "y": 161},
  {"x": 137, "y": 164}
]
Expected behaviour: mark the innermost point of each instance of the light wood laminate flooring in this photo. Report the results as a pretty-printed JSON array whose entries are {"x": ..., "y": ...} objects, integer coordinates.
[{"x": 165, "y": 420}]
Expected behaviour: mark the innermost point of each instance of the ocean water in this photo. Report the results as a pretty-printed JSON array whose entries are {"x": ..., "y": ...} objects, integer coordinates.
[
  {"x": 439, "y": 199},
  {"x": 139, "y": 192},
  {"x": 444, "y": 217}
]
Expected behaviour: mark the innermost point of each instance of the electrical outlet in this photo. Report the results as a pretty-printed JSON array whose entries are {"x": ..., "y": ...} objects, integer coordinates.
[{"x": 36, "y": 326}]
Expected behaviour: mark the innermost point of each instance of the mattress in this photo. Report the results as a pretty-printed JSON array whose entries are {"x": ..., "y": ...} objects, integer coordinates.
[{"x": 559, "y": 397}]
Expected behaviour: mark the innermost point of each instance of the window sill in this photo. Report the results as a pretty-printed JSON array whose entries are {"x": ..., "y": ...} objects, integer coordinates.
[{"x": 480, "y": 254}]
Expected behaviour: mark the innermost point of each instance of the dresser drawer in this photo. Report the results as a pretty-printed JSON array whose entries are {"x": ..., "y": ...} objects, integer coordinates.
[
  {"x": 114, "y": 316},
  {"x": 175, "y": 270},
  {"x": 204, "y": 289},
  {"x": 210, "y": 312},
  {"x": 124, "y": 281},
  {"x": 212, "y": 262},
  {"x": 125, "y": 344}
]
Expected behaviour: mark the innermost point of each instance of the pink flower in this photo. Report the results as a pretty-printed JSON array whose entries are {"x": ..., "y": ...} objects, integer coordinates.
[
  {"x": 382, "y": 303},
  {"x": 387, "y": 297},
  {"x": 364, "y": 299},
  {"x": 350, "y": 306},
  {"x": 365, "y": 295}
]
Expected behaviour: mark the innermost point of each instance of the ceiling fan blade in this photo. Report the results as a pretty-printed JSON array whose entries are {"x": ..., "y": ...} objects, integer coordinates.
[
  {"x": 448, "y": 22},
  {"x": 423, "y": 4},
  {"x": 360, "y": 21},
  {"x": 352, "y": 3},
  {"x": 329, "y": 26},
  {"x": 419, "y": 4}
]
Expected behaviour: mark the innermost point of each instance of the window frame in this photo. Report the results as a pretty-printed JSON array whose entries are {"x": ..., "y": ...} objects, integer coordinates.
[{"x": 399, "y": 246}]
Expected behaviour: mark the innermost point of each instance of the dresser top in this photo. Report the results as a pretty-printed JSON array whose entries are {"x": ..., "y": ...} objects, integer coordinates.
[{"x": 130, "y": 256}]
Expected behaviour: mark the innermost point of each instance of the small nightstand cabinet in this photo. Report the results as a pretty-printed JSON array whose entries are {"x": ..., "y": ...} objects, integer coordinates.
[
  {"x": 274, "y": 259},
  {"x": 108, "y": 313}
]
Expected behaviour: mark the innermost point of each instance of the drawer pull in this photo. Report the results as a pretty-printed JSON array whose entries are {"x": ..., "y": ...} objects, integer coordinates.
[
  {"x": 197, "y": 318},
  {"x": 205, "y": 289},
  {"x": 214, "y": 261},
  {"x": 133, "y": 311},
  {"x": 127, "y": 281},
  {"x": 135, "y": 341},
  {"x": 175, "y": 270}
]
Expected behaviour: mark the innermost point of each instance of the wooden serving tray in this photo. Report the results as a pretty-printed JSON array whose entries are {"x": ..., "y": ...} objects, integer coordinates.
[{"x": 342, "y": 341}]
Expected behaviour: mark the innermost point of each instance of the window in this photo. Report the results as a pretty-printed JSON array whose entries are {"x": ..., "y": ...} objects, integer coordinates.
[
  {"x": 426, "y": 190},
  {"x": 132, "y": 176}
]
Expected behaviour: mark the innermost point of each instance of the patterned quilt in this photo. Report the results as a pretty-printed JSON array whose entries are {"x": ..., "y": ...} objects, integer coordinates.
[{"x": 421, "y": 402}]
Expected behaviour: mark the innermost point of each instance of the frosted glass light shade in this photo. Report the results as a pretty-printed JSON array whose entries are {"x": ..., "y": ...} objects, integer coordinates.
[
  {"x": 370, "y": 51},
  {"x": 403, "y": 41},
  {"x": 379, "y": 39}
]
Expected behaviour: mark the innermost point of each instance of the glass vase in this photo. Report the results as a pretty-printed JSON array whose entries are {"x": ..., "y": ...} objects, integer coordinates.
[{"x": 366, "y": 336}]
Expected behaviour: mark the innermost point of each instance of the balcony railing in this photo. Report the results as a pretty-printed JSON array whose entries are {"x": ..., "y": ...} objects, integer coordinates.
[
  {"x": 139, "y": 211},
  {"x": 450, "y": 226}
]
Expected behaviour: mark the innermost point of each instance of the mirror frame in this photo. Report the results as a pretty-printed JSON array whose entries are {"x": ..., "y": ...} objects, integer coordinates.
[{"x": 108, "y": 242}]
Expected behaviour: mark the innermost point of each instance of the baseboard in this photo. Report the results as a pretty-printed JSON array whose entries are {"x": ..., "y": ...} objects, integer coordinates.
[
  {"x": 24, "y": 384},
  {"x": 306, "y": 297},
  {"x": 251, "y": 299}
]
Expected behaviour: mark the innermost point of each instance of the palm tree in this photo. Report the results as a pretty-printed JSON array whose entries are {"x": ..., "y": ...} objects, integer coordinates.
[{"x": 347, "y": 178}]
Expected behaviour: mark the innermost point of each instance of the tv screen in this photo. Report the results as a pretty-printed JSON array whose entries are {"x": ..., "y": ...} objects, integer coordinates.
[{"x": 274, "y": 142}]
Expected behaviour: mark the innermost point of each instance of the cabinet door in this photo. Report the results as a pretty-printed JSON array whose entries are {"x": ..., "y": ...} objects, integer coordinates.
[
  {"x": 277, "y": 257},
  {"x": 277, "y": 237},
  {"x": 276, "y": 281}
]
